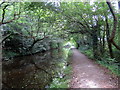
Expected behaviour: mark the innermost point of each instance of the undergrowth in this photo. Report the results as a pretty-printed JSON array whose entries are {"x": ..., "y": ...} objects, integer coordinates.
[
  {"x": 62, "y": 82},
  {"x": 111, "y": 64},
  {"x": 63, "y": 78}
]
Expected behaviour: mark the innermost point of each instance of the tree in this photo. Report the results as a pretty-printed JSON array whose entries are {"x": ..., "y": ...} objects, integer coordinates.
[
  {"x": 111, "y": 38},
  {"x": 16, "y": 15}
]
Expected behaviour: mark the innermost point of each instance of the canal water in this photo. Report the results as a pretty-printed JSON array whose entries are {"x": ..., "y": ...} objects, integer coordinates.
[{"x": 34, "y": 71}]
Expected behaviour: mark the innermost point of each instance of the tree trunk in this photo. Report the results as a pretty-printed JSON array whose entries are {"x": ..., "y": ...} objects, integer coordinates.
[
  {"x": 95, "y": 44},
  {"x": 103, "y": 43},
  {"x": 111, "y": 38},
  {"x": 109, "y": 43}
]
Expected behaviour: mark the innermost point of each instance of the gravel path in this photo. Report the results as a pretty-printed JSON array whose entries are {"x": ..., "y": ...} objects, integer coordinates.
[{"x": 87, "y": 74}]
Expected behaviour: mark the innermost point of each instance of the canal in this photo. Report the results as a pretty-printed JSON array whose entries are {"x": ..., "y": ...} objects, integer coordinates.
[{"x": 34, "y": 71}]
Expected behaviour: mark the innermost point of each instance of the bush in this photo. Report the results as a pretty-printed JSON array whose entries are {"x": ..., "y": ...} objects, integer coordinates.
[
  {"x": 111, "y": 64},
  {"x": 88, "y": 53},
  {"x": 63, "y": 73}
]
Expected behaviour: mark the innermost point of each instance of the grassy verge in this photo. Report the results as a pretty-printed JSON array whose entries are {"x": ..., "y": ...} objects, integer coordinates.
[
  {"x": 63, "y": 77},
  {"x": 107, "y": 62},
  {"x": 62, "y": 81},
  {"x": 111, "y": 65}
]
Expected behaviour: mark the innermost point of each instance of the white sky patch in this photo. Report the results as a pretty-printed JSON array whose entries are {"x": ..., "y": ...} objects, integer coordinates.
[
  {"x": 116, "y": 5},
  {"x": 91, "y": 2},
  {"x": 56, "y": 0}
]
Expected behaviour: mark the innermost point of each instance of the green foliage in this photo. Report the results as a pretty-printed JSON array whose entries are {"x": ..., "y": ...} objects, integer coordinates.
[
  {"x": 117, "y": 55},
  {"x": 62, "y": 82},
  {"x": 59, "y": 83},
  {"x": 54, "y": 45},
  {"x": 48, "y": 24},
  {"x": 63, "y": 73},
  {"x": 111, "y": 65},
  {"x": 88, "y": 53},
  {"x": 72, "y": 41},
  {"x": 9, "y": 54}
]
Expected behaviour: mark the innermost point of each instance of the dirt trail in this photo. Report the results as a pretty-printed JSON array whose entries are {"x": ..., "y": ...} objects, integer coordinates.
[{"x": 88, "y": 74}]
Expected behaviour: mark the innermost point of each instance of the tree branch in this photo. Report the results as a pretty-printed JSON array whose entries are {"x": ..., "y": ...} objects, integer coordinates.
[
  {"x": 5, "y": 38},
  {"x": 35, "y": 41},
  {"x": 3, "y": 16},
  {"x": 1, "y": 23},
  {"x": 113, "y": 42},
  {"x": 115, "y": 20},
  {"x": 111, "y": 39}
]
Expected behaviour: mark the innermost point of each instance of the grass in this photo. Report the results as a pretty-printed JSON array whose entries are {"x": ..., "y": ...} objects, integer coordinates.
[
  {"x": 111, "y": 65},
  {"x": 63, "y": 78},
  {"x": 105, "y": 61}
]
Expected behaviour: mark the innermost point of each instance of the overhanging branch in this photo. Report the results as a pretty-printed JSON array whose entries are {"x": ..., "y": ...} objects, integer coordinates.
[{"x": 111, "y": 39}]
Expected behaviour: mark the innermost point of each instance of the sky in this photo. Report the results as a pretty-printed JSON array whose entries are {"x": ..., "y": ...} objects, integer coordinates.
[{"x": 91, "y": 1}]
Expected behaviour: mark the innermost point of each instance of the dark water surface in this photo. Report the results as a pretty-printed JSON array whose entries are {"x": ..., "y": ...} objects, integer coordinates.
[{"x": 34, "y": 71}]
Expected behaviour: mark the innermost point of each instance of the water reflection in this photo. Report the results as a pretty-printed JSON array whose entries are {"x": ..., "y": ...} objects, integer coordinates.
[{"x": 34, "y": 71}]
